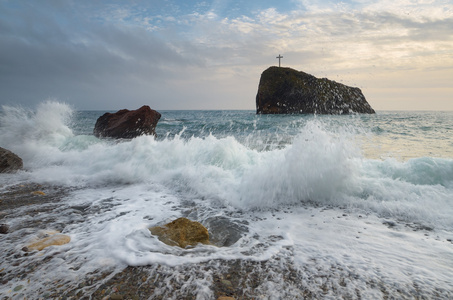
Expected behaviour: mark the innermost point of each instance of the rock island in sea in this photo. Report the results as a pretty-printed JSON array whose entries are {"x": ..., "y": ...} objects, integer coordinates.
[{"x": 288, "y": 91}]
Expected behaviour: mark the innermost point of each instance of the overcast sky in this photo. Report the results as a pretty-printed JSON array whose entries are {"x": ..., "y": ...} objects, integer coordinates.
[{"x": 190, "y": 54}]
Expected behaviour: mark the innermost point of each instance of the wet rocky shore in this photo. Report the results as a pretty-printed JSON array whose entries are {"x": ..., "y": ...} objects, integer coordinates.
[
  {"x": 20, "y": 270},
  {"x": 223, "y": 279}
]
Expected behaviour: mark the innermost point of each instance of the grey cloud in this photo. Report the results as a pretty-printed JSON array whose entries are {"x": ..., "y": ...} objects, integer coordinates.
[
  {"x": 417, "y": 30},
  {"x": 41, "y": 57}
]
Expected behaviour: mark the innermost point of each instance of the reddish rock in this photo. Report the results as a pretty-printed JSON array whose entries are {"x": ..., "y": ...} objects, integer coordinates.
[{"x": 127, "y": 123}]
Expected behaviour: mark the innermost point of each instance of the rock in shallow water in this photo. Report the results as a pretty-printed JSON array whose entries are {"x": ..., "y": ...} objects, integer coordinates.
[
  {"x": 9, "y": 162},
  {"x": 53, "y": 240},
  {"x": 181, "y": 232},
  {"x": 225, "y": 232},
  {"x": 127, "y": 124},
  {"x": 4, "y": 228}
]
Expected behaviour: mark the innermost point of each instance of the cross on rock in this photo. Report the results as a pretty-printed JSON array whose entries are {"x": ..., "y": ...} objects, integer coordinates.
[{"x": 279, "y": 58}]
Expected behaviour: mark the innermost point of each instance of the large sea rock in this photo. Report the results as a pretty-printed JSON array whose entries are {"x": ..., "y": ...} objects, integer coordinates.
[
  {"x": 9, "y": 162},
  {"x": 127, "y": 123},
  {"x": 288, "y": 91}
]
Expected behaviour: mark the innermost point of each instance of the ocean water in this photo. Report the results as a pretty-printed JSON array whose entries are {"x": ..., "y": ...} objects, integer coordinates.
[{"x": 368, "y": 198}]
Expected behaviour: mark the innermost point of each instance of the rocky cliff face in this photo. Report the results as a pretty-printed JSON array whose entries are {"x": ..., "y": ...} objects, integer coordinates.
[{"x": 287, "y": 91}]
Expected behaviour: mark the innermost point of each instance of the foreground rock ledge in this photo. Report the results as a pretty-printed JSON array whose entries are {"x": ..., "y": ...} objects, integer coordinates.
[
  {"x": 182, "y": 232},
  {"x": 288, "y": 91},
  {"x": 127, "y": 124}
]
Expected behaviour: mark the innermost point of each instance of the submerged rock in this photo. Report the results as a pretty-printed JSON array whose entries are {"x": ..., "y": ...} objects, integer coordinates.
[
  {"x": 181, "y": 232},
  {"x": 4, "y": 228},
  {"x": 225, "y": 232},
  {"x": 287, "y": 91},
  {"x": 53, "y": 240},
  {"x": 9, "y": 162},
  {"x": 127, "y": 123}
]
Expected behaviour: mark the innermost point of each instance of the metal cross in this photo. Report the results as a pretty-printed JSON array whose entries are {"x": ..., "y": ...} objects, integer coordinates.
[{"x": 279, "y": 57}]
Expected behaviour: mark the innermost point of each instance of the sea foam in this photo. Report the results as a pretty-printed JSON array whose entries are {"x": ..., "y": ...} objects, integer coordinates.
[{"x": 320, "y": 163}]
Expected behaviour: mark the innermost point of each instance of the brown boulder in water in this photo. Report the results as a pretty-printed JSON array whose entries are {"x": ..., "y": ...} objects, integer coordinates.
[
  {"x": 53, "y": 240},
  {"x": 181, "y": 232},
  {"x": 127, "y": 124}
]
